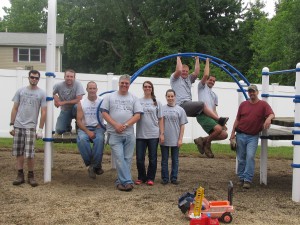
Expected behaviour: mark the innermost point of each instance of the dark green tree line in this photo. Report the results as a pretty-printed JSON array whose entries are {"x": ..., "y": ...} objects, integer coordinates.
[{"x": 121, "y": 36}]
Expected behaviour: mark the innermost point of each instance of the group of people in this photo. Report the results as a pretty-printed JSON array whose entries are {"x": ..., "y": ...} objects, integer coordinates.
[{"x": 156, "y": 124}]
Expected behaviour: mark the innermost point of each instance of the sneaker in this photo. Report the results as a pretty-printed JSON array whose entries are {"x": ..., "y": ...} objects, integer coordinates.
[
  {"x": 98, "y": 171},
  {"x": 223, "y": 120},
  {"x": 31, "y": 180},
  {"x": 138, "y": 182},
  {"x": 91, "y": 172},
  {"x": 128, "y": 187},
  {"x": 164, "y": 182},
  {"x": 20, "y": 179},
  {"x": 120, "y": 187},
  {"x": 175, "y": 182},
  {"x": 150, "y": 182},
  {"x": 240, "y": 183},
  {"x": 246, "y": 185},
  {"x": 199, "y": 142},
  {"x": 207, "y": 150}
]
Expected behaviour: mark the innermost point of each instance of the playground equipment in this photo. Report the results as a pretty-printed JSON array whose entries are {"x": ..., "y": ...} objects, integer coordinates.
[
  {"x": 201, "y": 211},
  {"x": 264, "y": 143}
]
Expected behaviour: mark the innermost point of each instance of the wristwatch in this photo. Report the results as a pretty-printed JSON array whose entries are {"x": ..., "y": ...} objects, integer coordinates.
[{"x": 126, "y": 125}]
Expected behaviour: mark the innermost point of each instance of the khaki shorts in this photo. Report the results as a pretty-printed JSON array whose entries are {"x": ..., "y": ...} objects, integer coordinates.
[{"x": 206, "y": 123}]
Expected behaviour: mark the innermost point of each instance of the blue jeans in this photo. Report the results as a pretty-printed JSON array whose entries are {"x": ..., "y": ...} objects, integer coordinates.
[
  {"x": 141, "y": 146},
  {"x": 122, "y": 148},
  {"x": 92, "y": 156},
  {"x": 164, "y": 162},
  {"x": 64, "y": 120},
  {"x": 246, "y": 149}
]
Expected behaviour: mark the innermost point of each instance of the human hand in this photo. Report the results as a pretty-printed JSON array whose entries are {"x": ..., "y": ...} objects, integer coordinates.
[
  {"x": 161, "y": 138},
  {"x": 179, "y": 143},
  {"x": 39, "y": 133},
  {"x": 12, "y": 130},
  {"x": 91, "y": 134}
]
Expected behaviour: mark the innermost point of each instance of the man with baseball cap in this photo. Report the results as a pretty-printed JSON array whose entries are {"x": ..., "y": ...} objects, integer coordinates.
[{"x": 253, "y": 116}]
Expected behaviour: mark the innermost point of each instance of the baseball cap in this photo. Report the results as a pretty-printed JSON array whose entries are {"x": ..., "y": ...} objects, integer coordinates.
[{"x": 252, "y": 87}]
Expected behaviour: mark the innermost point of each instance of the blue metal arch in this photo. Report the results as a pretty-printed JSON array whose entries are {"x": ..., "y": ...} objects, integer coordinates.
[{"x": 230, "y": 70}]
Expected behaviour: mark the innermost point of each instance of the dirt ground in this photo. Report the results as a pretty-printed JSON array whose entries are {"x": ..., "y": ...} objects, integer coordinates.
[{"x": 73, "y": 198}]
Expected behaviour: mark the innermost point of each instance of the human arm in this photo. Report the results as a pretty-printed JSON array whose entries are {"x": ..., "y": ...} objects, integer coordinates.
[
  {"x": 178, "y": 70},
  {"x": 161, "y": 130},
  {"x": 58, "y": 102},
  {"x": 181, "y": 132},
  {"x": 268, "y": 121},
  {"x": 235, "y": 124},
  {"x": 39, "y": 133},
  {"x": 118, "y": 126},
  {"x": 196, "y": 72},
  {"x": 206, "y": 72},
  {"x": 79, "y": 119},
  {"x": 13, "y": 115}
]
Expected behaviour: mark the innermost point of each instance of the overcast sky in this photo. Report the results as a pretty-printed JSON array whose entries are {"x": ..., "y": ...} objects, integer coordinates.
[{"x": 269, "y": 6}]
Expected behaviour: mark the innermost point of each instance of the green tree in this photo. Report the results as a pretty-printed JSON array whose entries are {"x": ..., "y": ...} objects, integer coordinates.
[
  {"x": 275, "y": 42},
  {"x": 26, "y": 16}
]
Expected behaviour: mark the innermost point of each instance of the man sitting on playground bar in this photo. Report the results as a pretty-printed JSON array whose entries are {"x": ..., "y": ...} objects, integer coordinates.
[{"x": 181, "y": 81}]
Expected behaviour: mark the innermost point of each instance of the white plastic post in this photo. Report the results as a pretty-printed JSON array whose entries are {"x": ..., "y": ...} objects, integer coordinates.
[
  {"x": 114, "y": 87},
  {"x": 264, "y": 142},
  {"x": 50, "y": 67},
  {"x": 296, "y": 156},
  {"x": 241, "y": 98}
]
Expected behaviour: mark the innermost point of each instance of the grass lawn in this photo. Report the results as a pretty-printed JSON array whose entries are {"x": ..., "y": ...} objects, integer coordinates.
[{"x": 222, "y": 150}]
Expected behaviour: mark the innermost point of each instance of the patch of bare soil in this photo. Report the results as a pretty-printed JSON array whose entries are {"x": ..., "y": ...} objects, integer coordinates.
[{"x": 73, "y": 198}]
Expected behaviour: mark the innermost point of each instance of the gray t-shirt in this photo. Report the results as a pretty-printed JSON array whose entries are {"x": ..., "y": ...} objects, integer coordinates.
[
  {"x": 147, "y": 127},
  {"x": 206, "y": 95},
  {"x": 182, "y": 87},
  {"x": 121, "y": 108},
  {"x": 89, "y": 109},
  {"x": 30, "y": 101},
  {"x": 173, "y": 118},
  {"x": 67, "y": 93}
]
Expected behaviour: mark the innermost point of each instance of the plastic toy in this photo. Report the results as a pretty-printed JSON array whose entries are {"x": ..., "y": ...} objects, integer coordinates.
[{"x": 195, "y": 207}]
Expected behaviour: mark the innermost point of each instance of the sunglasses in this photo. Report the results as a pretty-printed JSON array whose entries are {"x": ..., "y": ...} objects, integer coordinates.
[{"x": 34, "y": 78}]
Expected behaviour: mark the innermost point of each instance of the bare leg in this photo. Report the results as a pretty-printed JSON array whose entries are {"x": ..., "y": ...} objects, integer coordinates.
[
  {"x": 210, "y": 113},
  {"x": 20, "y": 162},
  {"x": 30, "y": 164}
]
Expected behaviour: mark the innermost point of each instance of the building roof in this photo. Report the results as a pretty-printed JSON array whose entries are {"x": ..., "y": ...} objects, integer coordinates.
[{"x": 28, "y": 39}]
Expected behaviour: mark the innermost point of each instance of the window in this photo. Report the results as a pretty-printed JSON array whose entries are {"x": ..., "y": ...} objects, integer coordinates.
[{"x": 29, "y": 54}]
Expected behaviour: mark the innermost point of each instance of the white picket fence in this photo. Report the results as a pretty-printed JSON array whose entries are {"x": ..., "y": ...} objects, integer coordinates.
[{"x": 11, "y": 80}]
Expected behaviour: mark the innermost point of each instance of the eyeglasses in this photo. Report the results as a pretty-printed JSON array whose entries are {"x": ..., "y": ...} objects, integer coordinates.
[
  {"x": 147, "y": 87},
  {"x": 34, "y": 78}
]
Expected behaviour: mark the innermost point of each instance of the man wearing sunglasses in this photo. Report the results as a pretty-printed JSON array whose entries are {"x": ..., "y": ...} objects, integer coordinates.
[{"x": 28, "y": 101}]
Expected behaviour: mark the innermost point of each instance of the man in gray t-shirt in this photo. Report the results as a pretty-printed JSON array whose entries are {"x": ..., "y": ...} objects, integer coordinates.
[
  {"x": 214, "y": 130},
  {"x": 66, "y": 94},
  {"x": 28, "y": 102},
  {"x": 122, "y": 110}
]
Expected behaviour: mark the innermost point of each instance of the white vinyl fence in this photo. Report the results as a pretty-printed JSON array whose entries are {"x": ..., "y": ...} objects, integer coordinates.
[{"x": 11, "y": 80}]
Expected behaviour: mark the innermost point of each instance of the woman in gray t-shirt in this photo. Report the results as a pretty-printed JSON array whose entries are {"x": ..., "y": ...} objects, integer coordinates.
[
  {"x": 174, "y": 118},
  {"x": 148, "y": 131}
]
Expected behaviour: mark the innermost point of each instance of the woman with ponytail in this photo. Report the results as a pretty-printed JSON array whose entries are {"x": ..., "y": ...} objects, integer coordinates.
[{"x": 149, "y": 131}]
